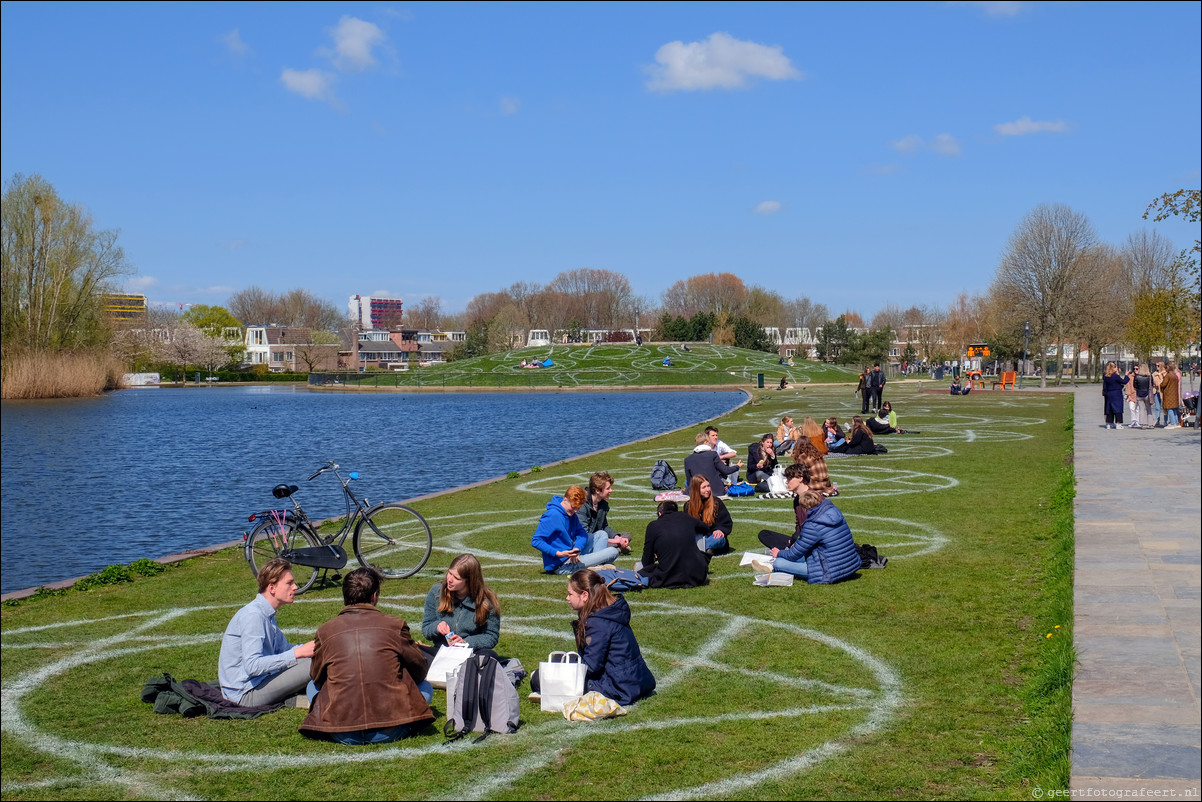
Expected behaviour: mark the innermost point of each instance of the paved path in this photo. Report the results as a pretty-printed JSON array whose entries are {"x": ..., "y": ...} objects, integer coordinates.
[{"x": 1137, "y": 605}]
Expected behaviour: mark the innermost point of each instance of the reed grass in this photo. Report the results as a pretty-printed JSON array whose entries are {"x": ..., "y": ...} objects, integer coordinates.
[{"x": 62, "y": 374}]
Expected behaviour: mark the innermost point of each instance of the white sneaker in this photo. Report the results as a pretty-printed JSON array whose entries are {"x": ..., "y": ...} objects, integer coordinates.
[{"x": 762, "y": 568}]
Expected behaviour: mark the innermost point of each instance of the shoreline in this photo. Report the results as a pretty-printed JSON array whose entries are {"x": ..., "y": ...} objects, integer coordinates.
[{"x": 169, "y": 559}]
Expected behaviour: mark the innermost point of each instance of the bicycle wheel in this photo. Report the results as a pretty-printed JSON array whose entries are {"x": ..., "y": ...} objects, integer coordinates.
[
  {"x": 393, "y": 539},
  {"x": 269, "y": 540}
]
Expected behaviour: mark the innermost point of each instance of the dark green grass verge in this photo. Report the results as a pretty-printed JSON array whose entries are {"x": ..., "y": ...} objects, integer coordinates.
[{"x": 933, "y": 678}]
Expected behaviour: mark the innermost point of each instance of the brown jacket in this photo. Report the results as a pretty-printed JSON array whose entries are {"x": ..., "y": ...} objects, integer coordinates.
[
  {"x": 367, "y": 668},
  {"x": 1169, "y": 388}
]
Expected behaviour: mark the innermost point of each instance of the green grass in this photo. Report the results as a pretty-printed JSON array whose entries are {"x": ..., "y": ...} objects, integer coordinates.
[
  {"x": 610, "y": 365},
  {"x": 933, "y": 678}
]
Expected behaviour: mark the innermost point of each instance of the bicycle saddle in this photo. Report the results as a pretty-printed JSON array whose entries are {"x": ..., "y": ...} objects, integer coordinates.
[{"x": 284, "y": 491}]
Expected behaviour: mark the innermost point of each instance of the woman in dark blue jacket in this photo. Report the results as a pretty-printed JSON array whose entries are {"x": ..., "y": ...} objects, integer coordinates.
[{"x": 606, "y": 642}]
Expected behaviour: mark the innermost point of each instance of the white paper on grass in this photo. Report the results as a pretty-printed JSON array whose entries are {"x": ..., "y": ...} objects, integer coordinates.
[{"x": 748, "y": 556}]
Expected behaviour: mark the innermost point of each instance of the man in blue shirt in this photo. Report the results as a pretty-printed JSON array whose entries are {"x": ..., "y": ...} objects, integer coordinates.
[{"x": 258, "y": 666}]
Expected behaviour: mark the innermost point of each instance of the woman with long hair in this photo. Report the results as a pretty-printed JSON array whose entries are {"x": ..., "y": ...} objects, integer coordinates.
[
  {"x": 815, "y": 467},
  {"x": 1142, "y": 383},
  {"x": 709, "y": 509},
  {"x": 836, "y": 441},
  {"x": 811, "y": 431},
  {"x": 860, "y": 438},
  {"x": 606, "y": 643},
  {"x": 1170, "y": 389},
  {"x": 1113, "y": 384},
  {"x": 461, "y": 609},
  {"x": 785, "y": 434}
]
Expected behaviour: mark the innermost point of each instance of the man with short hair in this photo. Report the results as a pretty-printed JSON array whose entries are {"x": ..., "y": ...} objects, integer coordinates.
[
  {"x": 704, "y": 461},
  {"x": 257, "y": 665},
  {"x": 724, "y": 452},
  {"x": 368, "y": 675},
  {"x": 594, "y": 514},
  {"x": 876, "y": 385}
]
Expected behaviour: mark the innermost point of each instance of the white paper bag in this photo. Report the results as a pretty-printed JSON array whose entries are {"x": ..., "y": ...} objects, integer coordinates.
[
  {"x": 777, "y": 482},
  {"x": 446, "y": 660},
  {"x": 560, "y": 680}
]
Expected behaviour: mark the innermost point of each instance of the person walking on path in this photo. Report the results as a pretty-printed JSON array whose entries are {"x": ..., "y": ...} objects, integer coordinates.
[{"x": 1113, "y": 383}]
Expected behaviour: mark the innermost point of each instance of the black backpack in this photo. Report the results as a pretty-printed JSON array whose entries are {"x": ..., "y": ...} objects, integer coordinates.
[
  {"x": 662, "y": 476},
  {"x": 869, "y": 557}
]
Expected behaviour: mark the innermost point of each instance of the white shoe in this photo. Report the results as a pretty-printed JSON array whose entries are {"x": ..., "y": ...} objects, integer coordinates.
[{"x": 762, "y": 568}]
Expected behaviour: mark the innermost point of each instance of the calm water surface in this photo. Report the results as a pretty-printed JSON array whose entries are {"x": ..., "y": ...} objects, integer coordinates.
[{"x": 143, "y": 473}]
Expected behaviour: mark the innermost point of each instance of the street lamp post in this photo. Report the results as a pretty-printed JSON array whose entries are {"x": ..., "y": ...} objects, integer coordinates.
[{"x": 1026, "y": 341}]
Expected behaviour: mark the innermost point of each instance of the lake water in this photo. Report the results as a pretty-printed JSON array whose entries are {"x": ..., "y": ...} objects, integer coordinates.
[{"x": 144, "y": 473}]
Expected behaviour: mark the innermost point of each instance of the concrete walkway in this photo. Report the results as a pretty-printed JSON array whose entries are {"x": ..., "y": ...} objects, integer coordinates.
[{"x": 1137, "y": 608}]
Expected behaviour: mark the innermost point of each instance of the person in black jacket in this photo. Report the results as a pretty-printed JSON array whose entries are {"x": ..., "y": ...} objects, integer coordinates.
[
  {"x": 860, "y": 441},
  {"x": 671, "y": 558},
  {"x": 705, "y": 462},
  {"x": 761, "y": 460},
  {"x": 708, "y": 509},
  {"x": 876, "y": 386}
]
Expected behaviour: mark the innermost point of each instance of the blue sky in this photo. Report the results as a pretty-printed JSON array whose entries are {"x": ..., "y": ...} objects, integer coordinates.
[{"x": 857, "y": 154}]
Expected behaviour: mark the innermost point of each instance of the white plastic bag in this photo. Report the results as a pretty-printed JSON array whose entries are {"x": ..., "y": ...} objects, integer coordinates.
[
  {"x": 560, "y": 680},
  {"x": 776, "y": 482},
  {"x": 446, "y": 660}
]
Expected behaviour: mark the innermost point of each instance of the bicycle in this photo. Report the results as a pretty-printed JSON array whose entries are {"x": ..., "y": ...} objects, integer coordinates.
[{"x": 392, "y": 538}]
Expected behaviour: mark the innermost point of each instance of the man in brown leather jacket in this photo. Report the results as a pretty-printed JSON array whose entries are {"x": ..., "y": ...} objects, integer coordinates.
[{"x": 368, "y": 675}]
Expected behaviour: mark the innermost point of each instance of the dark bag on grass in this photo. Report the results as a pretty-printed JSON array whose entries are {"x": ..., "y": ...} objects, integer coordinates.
[
  {"x": 869, "y": 558},
  {"x": 481, "y": 697},
  {"x": 622, "y": 580},
  {"x": 880, "y": 449},
  {"x": 662, "y": 476}
]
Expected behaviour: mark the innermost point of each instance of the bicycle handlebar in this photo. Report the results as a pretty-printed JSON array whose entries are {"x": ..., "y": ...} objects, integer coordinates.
[{"x": 329, "y": 466}]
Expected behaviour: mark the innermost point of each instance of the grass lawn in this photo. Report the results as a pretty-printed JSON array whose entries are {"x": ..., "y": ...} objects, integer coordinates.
[
  {"x": 934, "y": 678},
  {"x": 611, "y": 365}
]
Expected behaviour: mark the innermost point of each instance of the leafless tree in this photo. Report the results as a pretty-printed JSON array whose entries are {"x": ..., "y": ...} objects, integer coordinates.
[
  {"x": 805, "y": 314},
  {"x": 1036, "y": 273},
  {"x": 426, "y": 313},
  {"x": 255, "y": 306},
  {"x": 1148, "y": 259}
]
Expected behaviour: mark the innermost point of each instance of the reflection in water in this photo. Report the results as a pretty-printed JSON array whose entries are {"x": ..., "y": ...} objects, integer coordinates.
[{"x": 143, "y": 473}]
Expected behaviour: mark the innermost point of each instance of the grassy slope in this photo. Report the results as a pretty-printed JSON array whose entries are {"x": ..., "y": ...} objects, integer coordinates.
[
  {"x": 615, "y": 364},
  {"x": 942, "y": 683}
]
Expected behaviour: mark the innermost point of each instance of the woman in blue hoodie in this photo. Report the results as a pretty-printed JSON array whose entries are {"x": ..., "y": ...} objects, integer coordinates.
[
  {"x": 605, "y": 641},
  {"x": 565, "y": 544}
]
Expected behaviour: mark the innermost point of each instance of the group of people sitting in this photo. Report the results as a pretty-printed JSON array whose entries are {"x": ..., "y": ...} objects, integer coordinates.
[
  {"x": 364, "y": 674},
  {"x": 679, "y": 543}
]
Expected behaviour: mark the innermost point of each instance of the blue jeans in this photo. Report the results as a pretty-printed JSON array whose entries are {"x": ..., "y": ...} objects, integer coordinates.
[
  {"x": 1170, "y": 416},
  {"x": 381, "y": 736},
  {"x": 597, "y": 552},
  {"x": 798, "y": 569},
  {"x": 709, "y": 543},
  {"x": 1159, "y": 408}
]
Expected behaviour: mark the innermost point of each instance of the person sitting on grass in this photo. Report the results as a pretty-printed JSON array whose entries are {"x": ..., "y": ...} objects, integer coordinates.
[
  {"x": 956, "y": 389},
  {"x": 671, "y": 558},
  {"x": 594, "y": 515},
  {"x": 810, "y": 458},
  {"x": 761, "y": 460},
  {"x": 822, "y": 552},
  {"x": 257, "y": 664},
  {"x": 613, "y": 663},
  {"x": 369, "y": 677},
  {"x": 795, "y": 480},
  {"x": 461, "y": 609},
  {"x": 709, "y": 510},
  {"x": 564, "y": 544}
]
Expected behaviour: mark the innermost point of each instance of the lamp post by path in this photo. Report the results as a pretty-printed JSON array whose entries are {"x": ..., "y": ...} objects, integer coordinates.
[{"x": 1026, "y": 341}]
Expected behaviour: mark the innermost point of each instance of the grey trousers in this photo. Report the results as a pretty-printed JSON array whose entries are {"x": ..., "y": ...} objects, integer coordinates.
[{"x": 288, "y": 683}]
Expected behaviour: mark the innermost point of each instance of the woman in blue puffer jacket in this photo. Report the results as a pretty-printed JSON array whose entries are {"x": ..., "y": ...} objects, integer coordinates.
[{"x": 823, "y": 552}]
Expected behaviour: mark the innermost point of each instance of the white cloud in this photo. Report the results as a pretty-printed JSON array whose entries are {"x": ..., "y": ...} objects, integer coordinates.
[
  {"x": 994, "y": 8},
  {"x": 139, "y": 283},
  {"x": 769, "y": 207},
  {"x": 1025, "y": 125},
  {"x": 353, "y": 42},
  {"x": 720, "y": 62},
  {"x": 313, "y": 84},
  {"x": 234, "y": 244},
  {"x": 945, "y": 145},
  {"x": 510, "y": 105},
  {"x": 908, "y": 144},
  {"x": 233, "y": 42}
]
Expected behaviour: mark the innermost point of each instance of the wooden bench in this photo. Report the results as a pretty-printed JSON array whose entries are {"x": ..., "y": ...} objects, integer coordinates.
[{"x": 1008, "y": 377}]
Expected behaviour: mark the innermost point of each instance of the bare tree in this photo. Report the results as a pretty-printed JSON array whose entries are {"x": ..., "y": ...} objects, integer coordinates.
[
  {"x": 254, "y": 305},
  {"x": 1036, "y": 273},
  {"x": 805, "y": 314},
  {"x": 426, "y": 313},
  {"x": 1148, "y": 259},
  {"x": 600, "y": 295},
  {"x": 53, "y": 270},
  {"x": 319, "y": 350},
  {"x": 1104, "y": 289}
]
